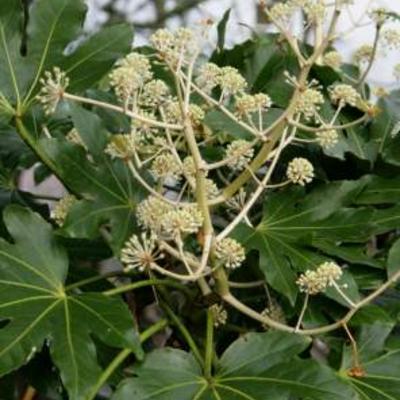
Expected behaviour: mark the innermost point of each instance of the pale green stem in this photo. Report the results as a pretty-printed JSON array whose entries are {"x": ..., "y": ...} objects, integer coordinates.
[
  {"x": 122, "y": 356},
  {"x": 209, "y": 348}
]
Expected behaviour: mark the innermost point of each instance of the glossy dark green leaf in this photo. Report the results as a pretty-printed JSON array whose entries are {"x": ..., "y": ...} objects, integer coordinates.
[
  {"x": 380, "y": 190},
  {"x": 52, "y": 32},
  {"x": 109, "y": 193},
  {"x": 381, "y": 380},
  {"x": 257, "y": 366},
  {"x": 295, "y": 229},
  {"x": 394, "y": 259},
  {"x": 37, "y": 310}
]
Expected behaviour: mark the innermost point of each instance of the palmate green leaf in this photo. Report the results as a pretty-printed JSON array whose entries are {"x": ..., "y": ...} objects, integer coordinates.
[
  {"x": 383, "y": 131},
  {"x": 394, "y": 258},
  {"x": 381, "y": 380},
  {"x": 37, "y": 310},
  {"x": 255, "y": 367},
  {"x": 109, "y": 195},
  {"x": 52, "y": 26},
  {"x": 379, "y": 190},
  {"x": 298, "y": 232},
  {"x": 109, "y": 192}
]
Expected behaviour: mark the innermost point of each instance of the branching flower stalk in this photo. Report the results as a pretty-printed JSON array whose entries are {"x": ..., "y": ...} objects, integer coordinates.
[{"x": 166, "y": 153}]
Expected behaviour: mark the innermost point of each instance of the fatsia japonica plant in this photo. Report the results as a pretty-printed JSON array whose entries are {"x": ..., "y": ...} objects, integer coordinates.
[{"x": 230, "y": 224}]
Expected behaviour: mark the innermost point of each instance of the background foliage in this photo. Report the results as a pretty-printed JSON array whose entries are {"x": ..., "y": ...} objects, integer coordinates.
[{"x": 59, "y": 337}]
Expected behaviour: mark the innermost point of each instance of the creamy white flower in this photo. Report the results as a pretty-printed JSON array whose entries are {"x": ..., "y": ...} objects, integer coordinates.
[
  {"x": 53, "y": 87},
  {"x": 300, "y": 171},
  {"x": 230, "y": 253}
]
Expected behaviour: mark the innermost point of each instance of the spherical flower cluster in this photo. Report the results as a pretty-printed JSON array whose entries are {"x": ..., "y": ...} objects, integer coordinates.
[
  {"x": 219, "y": 315},
  {"x": 309, "y": 102},
  {"x": 327, "y": 138},
  {"x": 208, "y": 77},
  {"x": 151, "y": 211},
  {"x": 343, "y": 94},
  {"x": 165, "y": 166},
  {"x": 231, "y": 82},
  {"x": 174, "y": 114},
  {"x": 53, "y": 87},
  {"x": 314, "y": 282},
  {"x": 140, "y": 253},
  {"x": 188, "y": 167},
  {"x": 174, "y": 48},
  {"x": 182, "y": 221},
  {"x": 155, "y": 93},
  {"x": 130, "y": 74},
  {"x": 142, "y": 128},
  {"x": 379, "y": 15},
  {"x": 281, "y": 12},
  {"x": 121, "y": 146},
  {"x": 230, "y": 253},
  {"x": 247, "y": 103},
  {"x": 391, "y": 38},
  {"x": 363, "y": 54},
  {"x": 239, "y": 153},
  {"x": 314, "y": 10},
  {"x": 300, "y": 171},
  {"x": 275, "y": 312},
  {"x": 63, "y": 206},
  {"x": 333, "y": 59},
  {"x": 211, "y": 189}
]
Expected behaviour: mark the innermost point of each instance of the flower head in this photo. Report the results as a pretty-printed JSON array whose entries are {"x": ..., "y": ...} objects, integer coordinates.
[
  {"x": 391, "y": 38},
  {"x": 309, "y": 102},
  {"x": 281, "y": 12},
  {"x": 333, "y": 59},
  {"x": 60, "y": 211},
  {"x": 131, "y": 73},
  {"x": 363, "y": 54},
  {"x": 342, "y": 94},
  {"x": 121, "y": 146},
  {"x": 219, "y": 314},
  {"x": 316, "y": 281},
  {"x": 155, "y": 93},
  {"x": 165, "y": 166},
  {"x": 230, "y": 253},
  {"x": 239, "y": 153},
  {"x": 53, "y": 87},
  {"x": 247, "y": 103},
  {"x": 300, "y": 171},
  {"x": 140, "y": 253},
  {"x": 151, "y": 211},
  {"x": 182, "y": 221},
  {"x": 208, "y": 76},
  {"x": 230, "y": 81},
  {"x": 327, "y": 138}
]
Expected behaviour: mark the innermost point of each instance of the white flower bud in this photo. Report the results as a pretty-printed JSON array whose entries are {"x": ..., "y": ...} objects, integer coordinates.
[
  {"x": 333, "y": 59},
  {"x": 121, "y": 146},
  {"x": 240, "y": 153},
  {"x": 165, "y": 166},
  {"x": 342, "y": 94},
  {"x": 230, "y": 253},
  {"x": 62, "y": 208},
  {"x": 53, "y": 87},
  {"x": 300, "y": 171},
  {"x": 140, "y": 253},
  {"x": 327, "y": 138},
  {"x": 309, "y": 102}
]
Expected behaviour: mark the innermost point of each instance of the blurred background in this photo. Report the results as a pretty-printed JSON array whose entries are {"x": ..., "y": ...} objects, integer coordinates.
[{"x": 246, "y": 17}]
